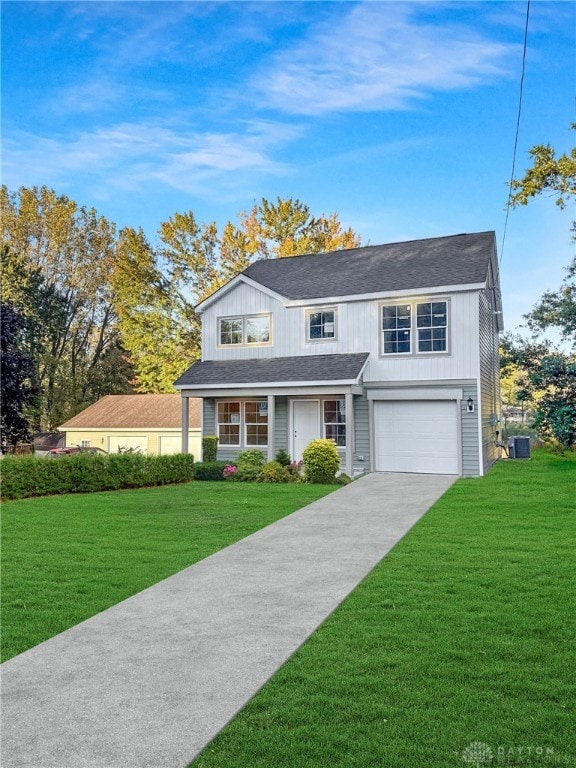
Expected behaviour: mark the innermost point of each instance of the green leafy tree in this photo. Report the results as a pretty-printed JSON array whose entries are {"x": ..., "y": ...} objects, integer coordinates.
[
  {"x": 56, "y": 263},
  {"x": 549, "y": 385},
  {"x": 551, "y": 374},
  {"x": 17, "y": 376}
]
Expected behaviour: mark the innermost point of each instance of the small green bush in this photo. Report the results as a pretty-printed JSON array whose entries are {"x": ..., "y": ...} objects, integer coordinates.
[
  {"x": 274, "y": 472},
  {"x": 24, "y": 476},
  {"x": 343, "y": 479},
  {"x": 249, "y": 465},
  {"x": 283, "y": 457},
  {"x": 321, "y": 461},
  {"x": 209, "y": 470},
  {"x": 209, "y": 448}
]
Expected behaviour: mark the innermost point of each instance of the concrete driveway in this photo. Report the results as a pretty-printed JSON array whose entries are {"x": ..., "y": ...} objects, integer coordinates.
[{"x": 152, "y": 680}]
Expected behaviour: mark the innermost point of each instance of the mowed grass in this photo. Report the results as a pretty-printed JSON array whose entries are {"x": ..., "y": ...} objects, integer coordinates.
[
  {"x": 66, "y": 558},
  {"x": 463, "y": 633}
]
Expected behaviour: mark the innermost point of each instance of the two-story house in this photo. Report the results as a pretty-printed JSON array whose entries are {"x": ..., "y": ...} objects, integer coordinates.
[{"x": 389, "y": 350}]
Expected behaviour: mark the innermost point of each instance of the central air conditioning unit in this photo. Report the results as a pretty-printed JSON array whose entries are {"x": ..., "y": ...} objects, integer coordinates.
[{"x": 519, "y": 447}]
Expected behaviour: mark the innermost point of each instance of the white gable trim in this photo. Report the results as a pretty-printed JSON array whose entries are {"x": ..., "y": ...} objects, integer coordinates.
[
  {"x": 387, "y": 294},
  {"x": 217, "y": 295}
]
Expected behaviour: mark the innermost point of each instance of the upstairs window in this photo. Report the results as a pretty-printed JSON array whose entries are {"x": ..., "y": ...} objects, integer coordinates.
[
  {"x": 419, "y": 327},
  {"x": 243, "y": 331},
  {"x": 432, "y": 326},
  {"x": 396, "y": 329},
  {"x": 321, "y": 324}
]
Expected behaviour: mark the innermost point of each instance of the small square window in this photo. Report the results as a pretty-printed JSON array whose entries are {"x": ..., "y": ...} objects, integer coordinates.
[{"x": 321, "y": 324}]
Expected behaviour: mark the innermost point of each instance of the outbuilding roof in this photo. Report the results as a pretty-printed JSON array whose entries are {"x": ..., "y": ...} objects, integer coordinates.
[
  {"x": 321, "y": 369},
  {"x": 135, "y": 411},
  {"x": 438, "y": 261}
]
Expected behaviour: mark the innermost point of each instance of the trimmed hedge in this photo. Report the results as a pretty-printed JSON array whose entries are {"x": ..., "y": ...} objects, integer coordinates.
[
  {"x": 209, "y": 470},
  {"x": 24, "y": 476},
  {"x": 209, "y": 448}
]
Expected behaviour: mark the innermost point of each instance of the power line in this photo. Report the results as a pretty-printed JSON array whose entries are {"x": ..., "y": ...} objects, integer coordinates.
[{"x": 517, "y": 130}]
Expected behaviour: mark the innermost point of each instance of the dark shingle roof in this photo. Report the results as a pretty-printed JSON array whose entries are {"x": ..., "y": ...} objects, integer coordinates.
[
  {"x": 317, "y": 368},
  {"x": 453, "y": 260}
]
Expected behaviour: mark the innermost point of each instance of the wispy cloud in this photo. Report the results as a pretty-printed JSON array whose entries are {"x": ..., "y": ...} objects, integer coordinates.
[
  {"x": 377, "y": 56},
  {"x": 136, "y": 156}
]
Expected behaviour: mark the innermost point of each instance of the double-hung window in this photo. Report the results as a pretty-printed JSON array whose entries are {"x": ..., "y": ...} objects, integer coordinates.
[
  {"x": 417, "y": 327},
  {"x": 246, "y": 330},
  {"x": 229, "y": 423},
  {"x": 321, "y": 324},
  {"x": 335, "y": 421},
  {"x": 396, "y": 329},
  {"x": 256, "y": 422},
  {"x": 432, "y": 326}
]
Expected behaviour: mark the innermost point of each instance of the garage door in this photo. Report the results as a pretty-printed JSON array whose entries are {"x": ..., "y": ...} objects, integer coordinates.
[
  {"x": 128, "y": 441},
  {"x": 416, "y": 436}
]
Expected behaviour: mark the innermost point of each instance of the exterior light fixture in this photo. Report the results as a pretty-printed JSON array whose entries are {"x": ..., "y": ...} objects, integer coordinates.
[{"x": 470, "y": 405}]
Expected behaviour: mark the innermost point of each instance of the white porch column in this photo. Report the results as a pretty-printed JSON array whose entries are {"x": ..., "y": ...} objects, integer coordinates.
[
  {"x": 271, "y": 416},
  {"x": 349, "y": 434},
  {"x": 185, "y": 419}
]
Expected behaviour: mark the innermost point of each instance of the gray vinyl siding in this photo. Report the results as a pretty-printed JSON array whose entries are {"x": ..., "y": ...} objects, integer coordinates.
[
  {"x": 361, "y": 435},
  {"x": 281, "y": 425},
  {"x": 469, "y": 421},
  {"x": 489, "y": 378}
]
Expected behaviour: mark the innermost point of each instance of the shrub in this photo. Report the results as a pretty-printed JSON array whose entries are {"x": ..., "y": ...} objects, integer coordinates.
[
  {"x": 229, "y": 471},
  {"x": 343, "y": 479},
  {"x": 274, "y": 472},
  {"x": 84, "y": 473},
  {"x": 249, "y": 464},
  {"x": 321, "y": 461},
  {"x": 209, "y": 470},
  {"x": 283, "y": 457},
  {"x": 209, "y": 448}
]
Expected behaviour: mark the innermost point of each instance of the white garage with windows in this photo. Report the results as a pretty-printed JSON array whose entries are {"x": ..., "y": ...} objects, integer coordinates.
[{"x": 416, "y": 436}]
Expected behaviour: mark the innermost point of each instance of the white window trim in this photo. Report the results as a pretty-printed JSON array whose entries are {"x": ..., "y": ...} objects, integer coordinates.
[
  {"x": 325, "y": 423},
  {"x": 244, "y": 342},
  {"x": 227, "y": 423},
  {"x": 314, "y": 310},
  {"x": 254, "y": 423},
  {"x": 242, "y": 432},
  {"x": 414, "y": 352}
]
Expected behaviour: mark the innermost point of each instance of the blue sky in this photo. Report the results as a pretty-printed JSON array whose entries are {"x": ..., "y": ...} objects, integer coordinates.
[{"x": 398, "y": 116}]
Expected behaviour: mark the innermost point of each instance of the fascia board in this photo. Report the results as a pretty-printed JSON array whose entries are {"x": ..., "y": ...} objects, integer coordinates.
[
  {"x": 268, "y": 384},
  {"x": 384, "y": 295}
]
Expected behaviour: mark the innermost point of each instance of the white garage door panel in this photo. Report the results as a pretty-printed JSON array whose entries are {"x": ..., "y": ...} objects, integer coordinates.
[
  {"x": 416, "y": 436},
  {"x": 128, "y": 441}
]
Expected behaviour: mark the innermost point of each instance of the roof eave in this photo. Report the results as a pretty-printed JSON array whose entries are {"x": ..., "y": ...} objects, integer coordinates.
[{"x": 223, "y": 290}]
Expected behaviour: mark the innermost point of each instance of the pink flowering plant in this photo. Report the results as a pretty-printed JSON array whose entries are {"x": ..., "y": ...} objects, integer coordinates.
[{"x": 229, "y": 471}]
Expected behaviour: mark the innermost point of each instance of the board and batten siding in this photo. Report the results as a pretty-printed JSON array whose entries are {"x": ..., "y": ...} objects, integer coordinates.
[
  {"x": 358, "y": 330},
  {"x": 489, "y": 378}
]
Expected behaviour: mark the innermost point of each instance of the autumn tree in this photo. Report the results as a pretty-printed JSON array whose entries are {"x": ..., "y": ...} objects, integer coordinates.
[
  {"x": 156, "y": 287},
  {"x": 56, "y": 262}
]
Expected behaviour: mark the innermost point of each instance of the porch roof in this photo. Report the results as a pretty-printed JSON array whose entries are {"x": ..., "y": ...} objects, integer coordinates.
[{"x": 278, "y": 371}]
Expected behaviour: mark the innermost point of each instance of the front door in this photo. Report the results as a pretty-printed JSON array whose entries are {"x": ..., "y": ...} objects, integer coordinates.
[{"x": 305, "y": 425}]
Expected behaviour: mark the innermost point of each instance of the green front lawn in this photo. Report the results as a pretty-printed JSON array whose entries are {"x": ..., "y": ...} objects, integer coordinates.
[
  {"x": 65, "y": 558},
  {"x": 463, "y": 633}
]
